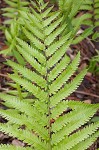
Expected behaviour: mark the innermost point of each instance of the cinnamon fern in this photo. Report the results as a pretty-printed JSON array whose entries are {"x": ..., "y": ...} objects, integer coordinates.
[{"x": 44, "y": 118}]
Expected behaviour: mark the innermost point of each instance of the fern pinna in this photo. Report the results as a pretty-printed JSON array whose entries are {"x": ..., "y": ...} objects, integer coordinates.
[{"x": 39, "y": 113}]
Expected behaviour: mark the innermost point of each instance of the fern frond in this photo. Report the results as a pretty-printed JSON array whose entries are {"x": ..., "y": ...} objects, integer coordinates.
[
  {"x": 46, "y": 12},
  {"x": 86, "y": 143},
  {"x": 34, "y": 31},
  {"x": 59, "y": 109},
  {"x": 27, "y": 73},
  {"x": 50, "y": 121},
  {"x": 41, "y": 94},
  {"x": 17, "y": 104},
  {"x": 39, "y": 56},
  {"x": 72, "y": 116},
  {"x": 75, "y": 8},
  {"x": 20, "y": 120},
  {"x": 15, "y": 118},
  {"x": 11, "y": 147},
  {"x": 93, "y": 20},
  {"x": 79, "y": 20},
  {"x": 33, "y": 39},
  {"x": 67, "y": 129},
  {"x": 82, "y": 134},
  {"x": 12, "y": 11},
  {"x": 59, "y": 68},
  {"x": 53, "y": 26},
  {"x": 11, "y": 35},
  {"x": 54, "y": 47},
  {"x": 43, "y": 5},
  {"x": 30, "y": 138},
  {"x": 57, "y": 84},
  {"x": 50, "y": 39},
  {"x": 67, "y": 89},
  {"x": 50, "y": 19},
  {"x": 70, "y": 7},
  {"x": 33, "y": 62},
  {"x": 34, "y": 20},
  {"x": 58, "y": 54},
  {"x": 85, "y": 34}
]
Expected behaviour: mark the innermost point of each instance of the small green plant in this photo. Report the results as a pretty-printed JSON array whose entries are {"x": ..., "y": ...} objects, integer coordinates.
[{"x": 43, "y": 118}]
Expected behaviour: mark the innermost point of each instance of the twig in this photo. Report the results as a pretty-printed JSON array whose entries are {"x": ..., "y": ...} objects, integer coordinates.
[
  {"x": 4, "y": 89},
  {"x": 85, "y": 93},
  {"x": 3, "y": 75},
  {"x": 90, "y": 42}
]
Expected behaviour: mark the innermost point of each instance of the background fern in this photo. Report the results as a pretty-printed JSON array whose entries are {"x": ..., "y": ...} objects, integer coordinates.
[
  {"x": 12, "y": 23},
  {"x": 89, "y": 18},
  {"x": 44, "y": 118},
  {"x": 69, "y": 10},
  {"x": 92, "y": 10},
  {"x": 13, "y": 9}
]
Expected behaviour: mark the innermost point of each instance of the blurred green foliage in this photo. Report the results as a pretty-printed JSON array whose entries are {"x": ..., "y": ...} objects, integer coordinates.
[{"x": 94, "y": 64}]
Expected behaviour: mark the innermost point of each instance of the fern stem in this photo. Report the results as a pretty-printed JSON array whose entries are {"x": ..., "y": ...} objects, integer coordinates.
[
  {"x": 47, "y": 89},
  {"x": 47, "y": 80},
  {"x": 48, "y": 103},
  {"x": 49, "y": 113}
]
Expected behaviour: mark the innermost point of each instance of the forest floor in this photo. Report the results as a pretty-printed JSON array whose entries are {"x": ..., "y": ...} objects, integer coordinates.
[{"x": 87, "y": 92}]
